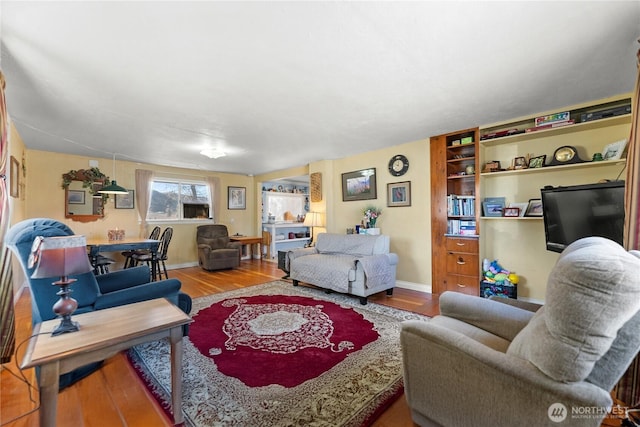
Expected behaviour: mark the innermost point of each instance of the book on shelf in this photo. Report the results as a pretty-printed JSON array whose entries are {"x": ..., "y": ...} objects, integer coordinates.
[
  {"x": 461, "y": 227},
  {"x": 459, "y": 205}
]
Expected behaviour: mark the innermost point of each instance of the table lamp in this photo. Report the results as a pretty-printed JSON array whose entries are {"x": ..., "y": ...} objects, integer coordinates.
[
  {"x": 313, "y": 219},
  {"x": 61, "y": 256}
]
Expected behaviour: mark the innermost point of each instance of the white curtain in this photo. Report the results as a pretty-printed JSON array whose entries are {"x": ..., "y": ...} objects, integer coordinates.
[
  {"x": 144, "y": 181},
  {"x": 214, "y": 187}
]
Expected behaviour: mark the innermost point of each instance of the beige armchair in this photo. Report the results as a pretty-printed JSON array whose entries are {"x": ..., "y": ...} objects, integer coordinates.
[
  {"x": 215, "y": 250},
  {"x": 485, "y": 363}
]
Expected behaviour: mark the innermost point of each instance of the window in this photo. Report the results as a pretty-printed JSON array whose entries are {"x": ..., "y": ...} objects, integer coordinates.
[{"x": 174, "y": 200}]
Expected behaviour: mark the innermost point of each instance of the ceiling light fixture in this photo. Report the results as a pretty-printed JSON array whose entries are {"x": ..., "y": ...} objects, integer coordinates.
[
  {"x": 213, "y": 153},
  {"x": 113, "y": 188}
]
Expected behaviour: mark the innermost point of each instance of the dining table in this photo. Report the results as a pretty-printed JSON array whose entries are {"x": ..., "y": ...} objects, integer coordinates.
[{"x": 97, "y": 245}]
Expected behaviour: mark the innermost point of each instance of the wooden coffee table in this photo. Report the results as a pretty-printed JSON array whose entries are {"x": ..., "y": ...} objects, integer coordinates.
[{"x": 102, "y": 334}]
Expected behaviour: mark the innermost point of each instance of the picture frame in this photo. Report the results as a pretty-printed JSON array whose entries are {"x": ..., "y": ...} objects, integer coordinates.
[
  {"x": 491, "y": 166},
  {"x": 125, "y": 201},
  {"x": 614, "y": 150},
  {"x": 492, "y": 208},
  {"x": 237, "y": 197},
  {"x": 520, "y": 162},
  {"x": 534, "y": 208},
  {"x": 14, "y": 176},
  {"x": 399, "y": 194},
  {"x": 537, "y": 162},
  {"x": 76, "y": 197},
  {"x": 359, "y": 185},
  {"x": 522, "y": 206},
  {"x": 511, "y": 211}
]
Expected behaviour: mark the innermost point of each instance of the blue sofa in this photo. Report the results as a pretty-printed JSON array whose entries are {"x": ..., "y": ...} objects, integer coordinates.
[{"x": 92, "y": 292}]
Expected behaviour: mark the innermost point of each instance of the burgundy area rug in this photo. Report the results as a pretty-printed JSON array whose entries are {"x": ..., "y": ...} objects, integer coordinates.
[{"x": 279, "y": 355}]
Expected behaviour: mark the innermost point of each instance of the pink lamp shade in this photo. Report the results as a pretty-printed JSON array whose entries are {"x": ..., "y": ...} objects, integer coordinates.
[{"x": 61, "y": 257}]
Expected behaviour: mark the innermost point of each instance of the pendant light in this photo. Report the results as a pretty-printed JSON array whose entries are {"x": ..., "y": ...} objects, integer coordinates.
[{"x": 113, "y": 188}]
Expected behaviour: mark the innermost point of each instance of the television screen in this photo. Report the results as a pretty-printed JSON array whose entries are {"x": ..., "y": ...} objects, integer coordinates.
[{"x": 573, "y": 212}]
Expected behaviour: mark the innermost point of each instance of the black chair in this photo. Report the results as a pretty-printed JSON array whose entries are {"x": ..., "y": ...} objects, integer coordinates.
[
  {"x": 101, "y": 264},
  {"x": 161, "y": 256},
  {"x": 128, "y": 255}
]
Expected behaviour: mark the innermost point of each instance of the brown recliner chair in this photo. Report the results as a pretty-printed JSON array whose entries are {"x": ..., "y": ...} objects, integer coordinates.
[{"x": 215, "y": 250}]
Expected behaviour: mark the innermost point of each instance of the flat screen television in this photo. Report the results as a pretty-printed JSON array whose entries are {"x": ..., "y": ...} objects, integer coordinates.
[{"x": 577, "y": 211}]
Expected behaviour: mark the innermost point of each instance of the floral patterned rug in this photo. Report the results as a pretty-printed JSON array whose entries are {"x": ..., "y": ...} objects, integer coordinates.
[{"x": 278, "y": 355}]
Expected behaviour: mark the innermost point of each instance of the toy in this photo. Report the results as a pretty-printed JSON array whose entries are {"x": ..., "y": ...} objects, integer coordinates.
[{"x": 494, "y": 273}]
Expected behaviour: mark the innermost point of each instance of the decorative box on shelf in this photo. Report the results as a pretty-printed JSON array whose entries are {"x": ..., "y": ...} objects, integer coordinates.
[{"x": 488, "y": 289}]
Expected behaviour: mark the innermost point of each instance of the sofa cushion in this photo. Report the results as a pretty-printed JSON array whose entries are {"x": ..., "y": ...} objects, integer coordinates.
[
  {"x": 592, "y": 291},
  {"x": 328, "y": 271},
  {"x": 352, "y": 244}
]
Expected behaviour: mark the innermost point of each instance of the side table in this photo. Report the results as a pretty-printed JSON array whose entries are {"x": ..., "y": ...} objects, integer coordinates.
[
  {"x": 250, "y": 241},
  {"x": 102, "y": 334}
]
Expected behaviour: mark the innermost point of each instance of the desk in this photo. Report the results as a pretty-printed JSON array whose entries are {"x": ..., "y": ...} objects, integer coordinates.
[
  {"x": 96, "y": 246},
  {"x": 249, "y": 241},
  {"x": 102, "y": 334}
]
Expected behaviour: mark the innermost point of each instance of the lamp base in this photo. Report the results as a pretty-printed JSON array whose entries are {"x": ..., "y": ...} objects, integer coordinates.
[
  {"x": 67, "y": 325},
  {"x": 65, "y": 307}
]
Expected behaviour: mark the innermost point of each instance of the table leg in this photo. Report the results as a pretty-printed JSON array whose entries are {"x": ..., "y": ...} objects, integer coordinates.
[
  {"x": 49, "y": 384},
  {"x": 176, "y": 374},
  {"x": 154, "y": 256}
]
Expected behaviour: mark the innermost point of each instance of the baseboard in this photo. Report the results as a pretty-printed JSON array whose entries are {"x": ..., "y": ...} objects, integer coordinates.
[
  {"x": 414, "y": 286},
  {"x": 184, "y": 265}
]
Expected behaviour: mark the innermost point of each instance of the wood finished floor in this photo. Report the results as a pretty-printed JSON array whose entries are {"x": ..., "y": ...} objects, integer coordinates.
[{"x": 113, "y": 396}]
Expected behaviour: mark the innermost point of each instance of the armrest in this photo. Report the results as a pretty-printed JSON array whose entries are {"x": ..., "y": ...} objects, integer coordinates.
[
  {"x": 443, "y": 368},
  {"x": 168, "y": 288},
  {"x": 123, "y": 279},
  {"x": 234, "y": 245},
  {"x": 500, "y": 319},
  {"x": 296, "y": 253},
  {"x": 531, "y": 306}
]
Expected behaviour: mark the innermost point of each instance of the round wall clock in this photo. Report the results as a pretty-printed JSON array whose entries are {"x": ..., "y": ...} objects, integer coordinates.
[
  {"x": 398, "y": 165},
  {"x": 565, "y": 155}
]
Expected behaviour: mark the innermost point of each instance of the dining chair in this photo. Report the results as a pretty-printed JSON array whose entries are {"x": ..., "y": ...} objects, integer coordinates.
[
  {"x": 161, "y": 256},
  {"x": 128, "y": 255}
]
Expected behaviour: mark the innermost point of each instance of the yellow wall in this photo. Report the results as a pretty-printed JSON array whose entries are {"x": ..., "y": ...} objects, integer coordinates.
[
  {"x": 408, "y": 227},
  {"x": 46, "y": 198}
]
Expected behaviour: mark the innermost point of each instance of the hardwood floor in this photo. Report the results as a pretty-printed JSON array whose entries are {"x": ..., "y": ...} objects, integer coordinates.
[{"x": 113, "y": 396}]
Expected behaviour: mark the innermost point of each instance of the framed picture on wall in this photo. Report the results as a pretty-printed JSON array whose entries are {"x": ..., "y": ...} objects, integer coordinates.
[
  {"x": 399, "y": 194},
  {"x": 359, "y": 185},
  {"x": 125, "y": 201},
  {"x": 237, "y": 197}
]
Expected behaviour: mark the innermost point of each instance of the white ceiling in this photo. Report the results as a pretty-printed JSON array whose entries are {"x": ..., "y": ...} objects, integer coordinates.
[{"x": 282, "y": 84}]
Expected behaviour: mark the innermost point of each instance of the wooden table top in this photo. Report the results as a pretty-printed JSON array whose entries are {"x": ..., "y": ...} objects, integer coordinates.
[
  {"x": 103, "y": 328},
  {"x": 246, "y": 239}
]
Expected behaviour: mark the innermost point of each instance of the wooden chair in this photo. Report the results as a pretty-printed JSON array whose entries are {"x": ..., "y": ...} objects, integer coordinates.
[
  {"x": 160, "y": 258},
  {"x": 128, "y": 255}
]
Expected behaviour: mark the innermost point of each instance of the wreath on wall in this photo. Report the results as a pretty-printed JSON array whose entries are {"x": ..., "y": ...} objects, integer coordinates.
[{"x": 88, "y": 177}]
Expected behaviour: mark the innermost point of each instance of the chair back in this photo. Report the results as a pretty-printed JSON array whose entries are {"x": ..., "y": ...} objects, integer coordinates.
[
  {"x": 165, "y": 239},
  {"x": 155, "y": 233},
  {"x": 19, "y": 239}
]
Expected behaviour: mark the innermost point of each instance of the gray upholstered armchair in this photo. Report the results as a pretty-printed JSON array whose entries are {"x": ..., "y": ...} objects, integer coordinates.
[
  {"x": 215, "y": 250},
  {"x": 484, "y": 363}
]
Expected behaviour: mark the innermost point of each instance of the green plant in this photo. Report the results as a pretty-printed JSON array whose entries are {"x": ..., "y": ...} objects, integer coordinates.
[{"x": 88, "y": 177}]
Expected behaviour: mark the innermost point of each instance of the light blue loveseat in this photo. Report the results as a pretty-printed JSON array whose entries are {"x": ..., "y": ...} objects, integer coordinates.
[{"x": 355, "y": 264}]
